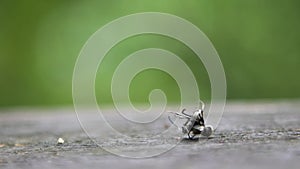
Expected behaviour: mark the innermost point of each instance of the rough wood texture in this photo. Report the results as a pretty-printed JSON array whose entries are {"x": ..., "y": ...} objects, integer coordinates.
[{"x": 250, "y": 135}]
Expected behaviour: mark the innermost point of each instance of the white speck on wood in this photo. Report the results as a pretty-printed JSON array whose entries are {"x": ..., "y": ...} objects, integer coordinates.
[{"x": 60, "y": 141}]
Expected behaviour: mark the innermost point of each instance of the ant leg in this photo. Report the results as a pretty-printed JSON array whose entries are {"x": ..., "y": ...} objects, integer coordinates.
[
  {"x": 183, "y": 112},
  {"x": 191, "y": 137},
  {"x": 186, "y": 122}
]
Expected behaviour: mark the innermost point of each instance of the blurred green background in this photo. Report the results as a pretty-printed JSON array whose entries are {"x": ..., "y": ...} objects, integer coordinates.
[{"x": 258, "y": 43}]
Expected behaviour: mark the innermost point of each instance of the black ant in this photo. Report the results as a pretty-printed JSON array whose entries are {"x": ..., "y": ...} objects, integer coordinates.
[{"x": 195, "y": 123}]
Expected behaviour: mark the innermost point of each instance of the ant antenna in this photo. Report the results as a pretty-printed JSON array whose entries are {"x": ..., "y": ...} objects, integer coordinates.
[{"x": 202, "y": 105}]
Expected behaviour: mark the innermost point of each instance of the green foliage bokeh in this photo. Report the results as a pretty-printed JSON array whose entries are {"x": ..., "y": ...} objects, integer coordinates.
[{"x": 258, "y": 43}]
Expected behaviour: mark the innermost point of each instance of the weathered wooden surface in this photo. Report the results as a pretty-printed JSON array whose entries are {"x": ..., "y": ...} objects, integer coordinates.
[{"x": 250, "y": 135}]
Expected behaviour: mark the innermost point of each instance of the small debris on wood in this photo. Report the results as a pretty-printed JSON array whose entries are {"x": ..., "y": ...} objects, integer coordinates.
[
  {"x": 18, "y": 145},
  {"x": 60, "y": 141},
  {"x": 166, "y": 126}
]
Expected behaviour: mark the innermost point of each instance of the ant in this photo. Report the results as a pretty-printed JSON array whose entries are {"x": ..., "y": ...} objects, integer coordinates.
[{"x": 195, "y": 123}]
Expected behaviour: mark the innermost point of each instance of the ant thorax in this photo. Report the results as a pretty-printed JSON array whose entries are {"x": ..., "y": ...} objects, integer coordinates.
[{"x": 198, "y": 118}]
